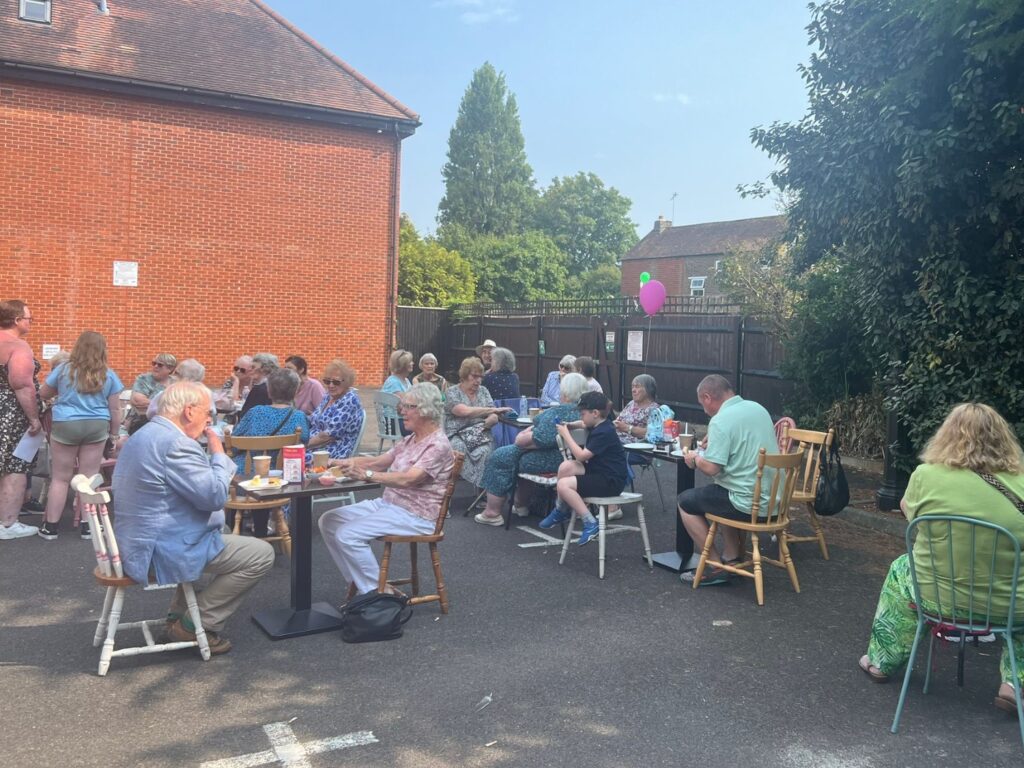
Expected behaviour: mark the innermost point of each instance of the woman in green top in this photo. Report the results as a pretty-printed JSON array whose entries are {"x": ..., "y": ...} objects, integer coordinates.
[{"x": 973, "y": 439}]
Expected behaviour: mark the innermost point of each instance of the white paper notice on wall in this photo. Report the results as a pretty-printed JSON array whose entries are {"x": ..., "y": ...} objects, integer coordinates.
[
  {"x": 635, "y": 345},
  {"x": 126, "y": 273},
  {"x": 49, "y": 350}
]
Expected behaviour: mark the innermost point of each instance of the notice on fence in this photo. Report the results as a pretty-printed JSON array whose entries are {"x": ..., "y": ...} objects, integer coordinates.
[{"x": 635, "y": 345}]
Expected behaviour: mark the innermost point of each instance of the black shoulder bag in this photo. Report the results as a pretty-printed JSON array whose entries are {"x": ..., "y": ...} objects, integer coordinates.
[
  {"x": 374, "y": 616},
  {"x": 1010, "y": 495},
  {"x": 833, "y": 493}
]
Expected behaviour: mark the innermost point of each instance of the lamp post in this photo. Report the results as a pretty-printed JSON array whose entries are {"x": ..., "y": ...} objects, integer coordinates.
[{"x": 894, "y": 481}]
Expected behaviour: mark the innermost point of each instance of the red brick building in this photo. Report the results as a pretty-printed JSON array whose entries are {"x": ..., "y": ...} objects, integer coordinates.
[
  {"x": 686, "y": 258},
  {"x": 247, "y": 176}
]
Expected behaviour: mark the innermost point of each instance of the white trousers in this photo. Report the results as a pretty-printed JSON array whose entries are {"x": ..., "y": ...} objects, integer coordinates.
[{"x": 348, "y": 530}]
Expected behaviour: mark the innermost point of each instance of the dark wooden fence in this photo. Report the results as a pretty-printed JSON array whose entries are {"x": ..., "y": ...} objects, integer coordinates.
[{"x": 678, "y": 348}]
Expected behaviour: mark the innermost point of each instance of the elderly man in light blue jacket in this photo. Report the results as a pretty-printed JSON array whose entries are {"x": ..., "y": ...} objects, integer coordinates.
[{"x": 169, "y": 512}]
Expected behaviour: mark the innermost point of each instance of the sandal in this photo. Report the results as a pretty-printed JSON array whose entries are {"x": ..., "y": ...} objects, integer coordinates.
[
  {"x": 1006, "y": 703},
  {"x": 874, "y": 673}
]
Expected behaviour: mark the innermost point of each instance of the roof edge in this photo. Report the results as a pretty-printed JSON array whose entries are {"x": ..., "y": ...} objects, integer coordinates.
[{"x": 335, "y": 60}]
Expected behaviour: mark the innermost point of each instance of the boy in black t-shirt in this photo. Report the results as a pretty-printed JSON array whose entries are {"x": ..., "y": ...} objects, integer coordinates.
[{"x": 599, "y": 468}]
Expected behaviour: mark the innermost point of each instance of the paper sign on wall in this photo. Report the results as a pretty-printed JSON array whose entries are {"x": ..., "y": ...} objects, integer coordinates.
[
  {"x": 635, "y": 346},
  {"x": 126, "y": 273},
  {"x": 49, "y": 350},
  {"x": 609, "y": 342}
]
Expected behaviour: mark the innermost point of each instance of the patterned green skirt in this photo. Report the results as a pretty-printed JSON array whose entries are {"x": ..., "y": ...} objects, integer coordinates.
[{"x": 892, "y": 633}]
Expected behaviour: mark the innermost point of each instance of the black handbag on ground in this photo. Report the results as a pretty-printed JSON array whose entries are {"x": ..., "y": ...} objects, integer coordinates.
[
  {"x": 374, "y": 616},
  {"x": 833, "y": 493}
]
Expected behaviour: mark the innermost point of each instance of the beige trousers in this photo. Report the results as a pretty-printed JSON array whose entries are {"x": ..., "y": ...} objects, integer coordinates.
[{"x": 243, "y": 561}]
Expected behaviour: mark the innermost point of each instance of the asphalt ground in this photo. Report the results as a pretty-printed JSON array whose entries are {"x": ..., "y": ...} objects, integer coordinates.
[{"x": 634, "y": 670}]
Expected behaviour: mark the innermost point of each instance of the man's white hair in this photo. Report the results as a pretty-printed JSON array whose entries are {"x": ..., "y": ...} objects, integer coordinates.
[
  {"x": 179, "y": 396},
  {"x": 190, "y": 369}
]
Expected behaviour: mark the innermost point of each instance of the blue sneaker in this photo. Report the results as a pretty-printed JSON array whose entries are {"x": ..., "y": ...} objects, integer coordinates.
[
  {"x": 589, "y": 532},
  {"x": 555, "y": 516}
]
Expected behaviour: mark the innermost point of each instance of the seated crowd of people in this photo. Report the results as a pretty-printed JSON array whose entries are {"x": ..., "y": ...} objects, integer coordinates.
[{"x": 170, "y": 490}]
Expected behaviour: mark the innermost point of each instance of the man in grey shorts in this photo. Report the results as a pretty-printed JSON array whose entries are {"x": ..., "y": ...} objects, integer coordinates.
[{"x": 738, "y": 430}]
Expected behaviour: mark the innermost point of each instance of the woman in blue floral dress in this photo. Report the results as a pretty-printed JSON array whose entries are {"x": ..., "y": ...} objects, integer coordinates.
[
  {"x": 337, "y": 422},
  {"x": 534, "y": 452}
]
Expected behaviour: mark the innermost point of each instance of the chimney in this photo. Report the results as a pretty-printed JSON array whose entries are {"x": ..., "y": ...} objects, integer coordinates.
[{"x": 661, "y": 225}]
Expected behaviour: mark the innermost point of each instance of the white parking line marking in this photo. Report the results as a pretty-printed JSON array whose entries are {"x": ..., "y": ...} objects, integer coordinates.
[
  {"x": 551, "y": 541},
  {"x": 287, "y": 750}
]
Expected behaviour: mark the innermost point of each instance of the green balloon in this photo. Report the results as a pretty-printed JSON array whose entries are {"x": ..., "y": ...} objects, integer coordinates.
[{"x": 645, "y": 278}]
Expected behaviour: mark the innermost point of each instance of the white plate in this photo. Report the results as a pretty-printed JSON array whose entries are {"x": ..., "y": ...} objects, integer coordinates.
[
  {"x": 263, "y": 483},
  {"x": 524, "y": 420},
  {"x": 639, "y": 446},
  {"x": 677, "y": 454}
]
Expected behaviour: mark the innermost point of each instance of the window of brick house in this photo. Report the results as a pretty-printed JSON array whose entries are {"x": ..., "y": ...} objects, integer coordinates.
[
  {"x": 697, "y": 286},
  {"x": 718, "y": 265},
  {"x": 34, "y": 10}
]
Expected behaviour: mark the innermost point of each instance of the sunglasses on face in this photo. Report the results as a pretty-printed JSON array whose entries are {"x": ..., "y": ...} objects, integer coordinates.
[
  {"x": 333, "y": 382},
  {"x": 157, "y": 364},
  {"x": 240, "y": 369}
]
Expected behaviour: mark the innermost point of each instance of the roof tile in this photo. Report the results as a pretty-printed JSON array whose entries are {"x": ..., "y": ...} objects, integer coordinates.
[{"x": 707, "y": 239}]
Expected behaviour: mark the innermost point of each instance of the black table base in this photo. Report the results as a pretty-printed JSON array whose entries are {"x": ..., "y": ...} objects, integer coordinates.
[
  {"x": 282, "y": 623},
  {"x": 674, "y": 560}
]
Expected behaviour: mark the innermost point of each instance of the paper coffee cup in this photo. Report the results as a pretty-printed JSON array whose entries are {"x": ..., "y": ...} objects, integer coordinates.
[
  {"x": 684, "y": 442},
  {"x": 320, "y": 459},
  {"x": 261, "y": 465},
  {"x": 533, "y": 412}
]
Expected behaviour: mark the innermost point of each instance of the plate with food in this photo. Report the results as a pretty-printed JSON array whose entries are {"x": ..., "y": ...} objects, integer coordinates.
[
  {"x": 257, "y": 483},
  {"x": 639, "y": 446}
]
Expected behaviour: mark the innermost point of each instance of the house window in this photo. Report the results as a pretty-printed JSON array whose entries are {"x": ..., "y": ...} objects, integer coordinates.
[
  {"x": 697, "y": 286},
  {"x": 718, "y": 265},
  {"x": 34, "y": 10}
]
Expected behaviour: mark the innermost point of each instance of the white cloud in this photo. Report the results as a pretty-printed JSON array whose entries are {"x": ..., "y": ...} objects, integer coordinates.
[
  {"x": 481, "y": 11},
  {"x": 672, "y": 98}
]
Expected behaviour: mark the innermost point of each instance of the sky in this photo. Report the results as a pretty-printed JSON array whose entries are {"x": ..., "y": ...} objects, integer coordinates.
[{"x": 655, "y": 97}]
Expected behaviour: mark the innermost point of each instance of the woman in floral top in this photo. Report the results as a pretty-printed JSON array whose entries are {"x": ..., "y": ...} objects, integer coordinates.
[
  {"x": 631, "y": 424},
  {"x": 336, "y": 423}
]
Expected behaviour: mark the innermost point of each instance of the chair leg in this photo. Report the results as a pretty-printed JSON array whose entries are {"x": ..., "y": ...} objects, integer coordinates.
[
  {"x": 237, "y": 527},
  {"x": 906, "y": 678},
  {"x": 282, "y": 530},
  {"x": 928, "y": 666},
  {"x": 602, "y": 524},
  {"x": 442, "y": 590},
  {"x": 414, "y": 576},
  {"x": 787, "y": 560},
  {"x": 385, "y": 563},
  {"x": 643, "y": 534},
  {"x": 960, "y": 660},
  {"x": 755, "y": 548},
  {"x": 197, "y": 621},
  {"x": 351, "y": 592},
  {"x": 568, "y": 536},
  {"x": 1016, "y": 685},
  {"x": 101, "y": 625},
  {"x": 114, "y": 620},
  {"x": 818, "y": 530},
  {"x": 699, "y": 574},
  {"x": 657, "y": 482}
]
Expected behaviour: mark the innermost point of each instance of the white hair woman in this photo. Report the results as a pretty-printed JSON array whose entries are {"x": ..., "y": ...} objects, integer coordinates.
[
  {"x": 263, "y": 364},
  {"x": 534, "y": 452},
  {"x": 428, "y": 373},
  {"x": 501, "y": 381},
  {"x": 414, "y": 474},
  {"x": 551, "y": 393}
]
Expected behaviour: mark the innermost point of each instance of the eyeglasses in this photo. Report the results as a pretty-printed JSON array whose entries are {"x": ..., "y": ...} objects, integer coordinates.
[
  {"x": 158, "y": 364},
  {"x": 565, "y": 367},
  {"x": 240, "y": 369},
  {"x": 26, "y": 317},
  {"x": 407, "y": 406},
  {"x": 476, "y": 375},
  {"x": 332, "y": 382}
]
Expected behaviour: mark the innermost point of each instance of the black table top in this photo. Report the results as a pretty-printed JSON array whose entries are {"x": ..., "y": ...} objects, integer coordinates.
[
  {"x": 309, "y": 487},
  {"x": 663, "y": 455}
]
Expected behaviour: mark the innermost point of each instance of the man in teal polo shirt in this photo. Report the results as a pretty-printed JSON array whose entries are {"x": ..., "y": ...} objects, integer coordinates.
[{"x": 738, "y": 430}]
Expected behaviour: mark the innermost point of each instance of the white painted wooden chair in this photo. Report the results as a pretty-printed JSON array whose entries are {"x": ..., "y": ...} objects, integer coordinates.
[
  {"x": 602, "y": 503},
  {"x": 110, "y": 575}
]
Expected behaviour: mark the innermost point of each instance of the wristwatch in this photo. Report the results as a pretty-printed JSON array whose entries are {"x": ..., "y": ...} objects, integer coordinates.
[{"x": 368, "y": 474}]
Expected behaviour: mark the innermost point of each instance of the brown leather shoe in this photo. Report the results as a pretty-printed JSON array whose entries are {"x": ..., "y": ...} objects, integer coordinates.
[{"x": 218, "y": 643}]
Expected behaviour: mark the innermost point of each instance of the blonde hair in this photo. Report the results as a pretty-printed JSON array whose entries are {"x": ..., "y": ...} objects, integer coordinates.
[
  {"x": 399, "y": 360},
  {"x": 974, "y": 436},
  {"x": 470, "y": 365},
  {"x": 87, "y": 366},
  {"x": 345, "y": 371}
]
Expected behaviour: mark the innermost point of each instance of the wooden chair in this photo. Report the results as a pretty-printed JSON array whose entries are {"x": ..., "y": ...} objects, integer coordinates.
[
  {"x": 110, "y": 575},
  {"x": 814, "y": 445},
  {"x": 782, "y": 426},
  {"x": 775, "y": 522},
  {"x": 431, "y": 540},
  {"x": 240, "y": 504}
]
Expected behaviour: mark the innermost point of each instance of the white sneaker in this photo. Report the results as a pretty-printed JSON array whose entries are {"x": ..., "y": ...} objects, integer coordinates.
[
  {"x": 521, "y": 511},
  {"x": 17, "y": 530},
  {"x": 615, "y": 514}
]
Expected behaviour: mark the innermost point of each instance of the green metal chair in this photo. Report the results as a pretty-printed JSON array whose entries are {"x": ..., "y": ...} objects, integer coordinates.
[{"x": 975, "y": 618}]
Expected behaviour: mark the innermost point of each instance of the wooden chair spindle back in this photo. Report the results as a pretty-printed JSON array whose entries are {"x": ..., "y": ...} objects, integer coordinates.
[
  {"x": 449, "y": 491},
  {"x": 786, "y": 466}
]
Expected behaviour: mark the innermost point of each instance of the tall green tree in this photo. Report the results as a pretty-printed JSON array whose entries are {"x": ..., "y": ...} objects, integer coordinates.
[
  {"x": 489, "y": 188},
  {"x": 910, "y": 164},
  {"x": 588, "y": 221},
  {"x": 430, "y": 275},
  {"x": 526, "y": 267}
]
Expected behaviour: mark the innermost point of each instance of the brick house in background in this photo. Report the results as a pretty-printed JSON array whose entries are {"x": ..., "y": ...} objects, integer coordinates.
[
  {"x": 248, "y": 175},
  {"x": 687, "y": 258}
]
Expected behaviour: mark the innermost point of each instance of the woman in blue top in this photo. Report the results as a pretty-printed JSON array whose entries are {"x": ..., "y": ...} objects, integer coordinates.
[
  {"x": 552, "y": 394},
  {"x": 398, "y": 382},
  {"x": 535, "y": 452},
  {"x": 281, "y": 417},
  {"x": 336, "y": 423},
  {"x": 87, "y": 411},
  {"x": 501, "y": 381}
]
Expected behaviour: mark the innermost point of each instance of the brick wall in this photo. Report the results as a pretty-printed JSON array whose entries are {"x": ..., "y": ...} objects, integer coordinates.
[
  {"x": 675, "y": 273},
  {"x": 251, "y": 233}
]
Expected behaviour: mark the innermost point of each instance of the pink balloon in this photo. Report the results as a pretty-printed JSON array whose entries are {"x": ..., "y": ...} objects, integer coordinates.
[{"x": 652, "y": 296}]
